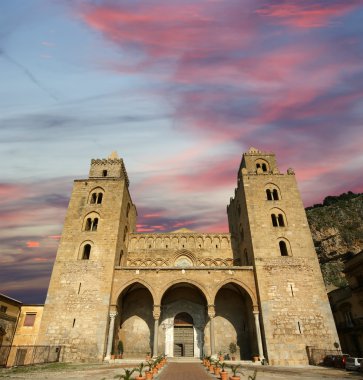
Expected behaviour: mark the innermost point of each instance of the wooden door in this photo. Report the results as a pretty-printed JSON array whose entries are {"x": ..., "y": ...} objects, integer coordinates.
[{"x": 183, "y": 341}]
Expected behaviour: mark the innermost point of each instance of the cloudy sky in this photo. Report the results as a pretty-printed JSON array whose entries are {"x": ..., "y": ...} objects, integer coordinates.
[{"x": 180, "y": 89}]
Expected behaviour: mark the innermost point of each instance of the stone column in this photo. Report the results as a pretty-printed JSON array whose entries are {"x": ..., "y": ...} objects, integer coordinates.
[
  {"x": 256, "y": 314},
  {"x": 156, "y": 315},
  {"x": 211, "y": 315},
  {"x": 110, "y": 334}
]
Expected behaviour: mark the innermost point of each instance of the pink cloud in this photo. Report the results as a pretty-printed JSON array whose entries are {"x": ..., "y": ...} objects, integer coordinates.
[
  {"x": 307, "y": 15},
  {"x": 32, "y": 244}
]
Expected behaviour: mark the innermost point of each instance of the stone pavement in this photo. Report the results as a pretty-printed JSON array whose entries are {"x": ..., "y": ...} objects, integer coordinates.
[{"x": 184, "y": 371}]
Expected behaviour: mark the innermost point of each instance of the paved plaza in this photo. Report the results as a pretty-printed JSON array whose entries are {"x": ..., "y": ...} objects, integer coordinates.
[{"x": 172, "y": 371}]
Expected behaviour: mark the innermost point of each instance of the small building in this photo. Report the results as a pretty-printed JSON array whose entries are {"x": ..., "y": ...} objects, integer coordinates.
[
  {"x": 347, "y": 306},
  {"x": 9, "y": 313},
  {"x": 24, "y": 350}
]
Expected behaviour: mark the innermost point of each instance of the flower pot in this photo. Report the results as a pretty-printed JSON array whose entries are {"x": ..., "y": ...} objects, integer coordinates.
[
  {"x": 233, "y": 358},
  {"x": 217, "y": 371},
  {"x": 149, "y": 375},
  {"x": 155, "y": 370},
  {"x": 224, "y": 375},
  {"x": 255, "y": 358},
  {"x": 220, "y": 358},
  {"x": 211, "y": 368},
  {"x": 140, "y": 378},
  {"x": 234, "y": 378},
  {"x": 147, "y": 358}
]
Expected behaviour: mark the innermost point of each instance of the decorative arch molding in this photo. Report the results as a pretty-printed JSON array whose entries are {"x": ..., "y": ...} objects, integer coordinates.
[
  {"x": 244, "y": 286},
  {"x": 119, "y": 291},
  {"x": 92, "y": 214},
  {"x": 186, "y": 253},
  {"x": 271, "y": 184},
  {"x": 184, "y": 280},
  {"x": 277, "y": 209}
]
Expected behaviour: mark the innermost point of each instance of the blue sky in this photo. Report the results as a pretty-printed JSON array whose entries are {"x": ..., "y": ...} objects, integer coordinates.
[{"x": 180, "y": 89}]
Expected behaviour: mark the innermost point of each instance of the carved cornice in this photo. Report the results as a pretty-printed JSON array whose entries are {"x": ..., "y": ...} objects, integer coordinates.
[{"x": 162, "y": 262}]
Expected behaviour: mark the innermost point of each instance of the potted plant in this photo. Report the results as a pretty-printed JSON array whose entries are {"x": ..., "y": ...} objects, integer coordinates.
[
  {"x": 148, "y": 356},
  {"x": 255, "y": 357},
  {"x": 149, "y": 372},
  {"x": 233, "y": 350},
  {"x": 217, "y": 368},
  {"x": 139, "y": 370},
  {"x": 126, "y": 375},
  {"x": 220, "y": 356},
  {"x": 223, "y": 373},
  {"x": 234, "y": 369},
  {"x": 211, "y": 366}
]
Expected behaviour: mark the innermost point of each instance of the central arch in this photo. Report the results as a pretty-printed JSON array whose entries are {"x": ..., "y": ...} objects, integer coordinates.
[{"x": 183, "y": 320}]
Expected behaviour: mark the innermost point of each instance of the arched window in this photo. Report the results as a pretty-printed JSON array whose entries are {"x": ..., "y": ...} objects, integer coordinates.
[
  {"x": 283, "y": 248},
  {"x": 96, "y": 198},
  {"x": 281, "y": 220},
  {"x": 268, "y": 195},
  {"x": 88, "y": 225},
  {"x": 258, "y": 166},
  {"x": 275, "y": 195},
  {"x": 86, "y": 252},
  {"x": 94, "y": 224},
  {"x": 91, "y": 224},
  {"x": 264, "y": 167},
  {"x": 278, "y": 220},
  {"x": 125, "y": 233},
  {"x": 274, "y": 220},
  {"x": 104, "y": 173}
]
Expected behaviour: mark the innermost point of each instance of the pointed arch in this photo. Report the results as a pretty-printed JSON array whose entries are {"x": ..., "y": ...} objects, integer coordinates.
[
  {"x": 244, "y": 286},
  {"x": 182, "y": 280}
]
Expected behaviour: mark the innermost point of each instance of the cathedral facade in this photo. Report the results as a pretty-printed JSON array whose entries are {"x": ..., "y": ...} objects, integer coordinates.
[{"x": 186, "y": 293}]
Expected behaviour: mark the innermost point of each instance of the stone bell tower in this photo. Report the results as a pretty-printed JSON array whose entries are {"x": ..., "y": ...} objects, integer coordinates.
[
  {"x": 99, "y": 218},
  {"x": 270, "y": 231}
]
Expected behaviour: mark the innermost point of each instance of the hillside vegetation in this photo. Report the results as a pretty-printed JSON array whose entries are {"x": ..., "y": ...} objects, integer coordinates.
[{"x": 337, "y": 229}]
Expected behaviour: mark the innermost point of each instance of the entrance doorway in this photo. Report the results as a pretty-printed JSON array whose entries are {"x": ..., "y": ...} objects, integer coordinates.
[{"x": 183, "y": 335}]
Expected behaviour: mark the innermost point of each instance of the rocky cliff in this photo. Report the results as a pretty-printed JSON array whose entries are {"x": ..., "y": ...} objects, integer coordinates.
[{"x": 337, "y": 229}]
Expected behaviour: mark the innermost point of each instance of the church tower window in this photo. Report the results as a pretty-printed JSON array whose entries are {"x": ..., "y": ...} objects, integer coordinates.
[
  {"x": 283, "y": 248},
  {"x": 86, "y": 252}
]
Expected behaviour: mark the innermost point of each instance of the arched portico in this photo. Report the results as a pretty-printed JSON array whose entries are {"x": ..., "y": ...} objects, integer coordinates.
[
  {"x": 183, "y": 298},
  {"x": 234, "y": 321},
  {"x": 135, "y": 321}
]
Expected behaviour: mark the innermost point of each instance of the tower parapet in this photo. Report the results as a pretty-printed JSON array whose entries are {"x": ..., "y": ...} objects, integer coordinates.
[{"x": 112, "y": 167}]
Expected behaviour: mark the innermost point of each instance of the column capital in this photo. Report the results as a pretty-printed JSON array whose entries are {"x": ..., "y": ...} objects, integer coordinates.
[
  {"x": 156, "y": 311},
  {"x": 113, "y": 314},
  {"x": 255, "y": 309},
  {"x": 211, "y": 311}
]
